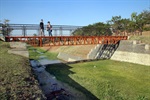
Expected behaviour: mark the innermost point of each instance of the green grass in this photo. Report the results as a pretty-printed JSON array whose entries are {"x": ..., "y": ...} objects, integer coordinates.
[
  {"x": 16, "y": 79},
  {"x": 106, "y": 79},
  {"x": 35, "y": 55}
]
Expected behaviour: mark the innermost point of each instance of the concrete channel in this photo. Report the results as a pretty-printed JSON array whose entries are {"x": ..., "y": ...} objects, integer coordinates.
[{"x": 128, "y": 51}]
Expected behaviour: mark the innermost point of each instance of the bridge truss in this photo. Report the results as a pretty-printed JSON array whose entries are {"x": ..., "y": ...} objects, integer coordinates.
[{"x": 66, "y": 40}]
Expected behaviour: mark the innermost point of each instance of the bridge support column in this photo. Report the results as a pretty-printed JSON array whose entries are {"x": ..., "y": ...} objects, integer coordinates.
[{"x": 40, "y": 41}]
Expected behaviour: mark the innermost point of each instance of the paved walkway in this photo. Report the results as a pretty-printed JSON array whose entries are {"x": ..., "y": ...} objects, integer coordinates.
[{"x": 18, "y": 48}]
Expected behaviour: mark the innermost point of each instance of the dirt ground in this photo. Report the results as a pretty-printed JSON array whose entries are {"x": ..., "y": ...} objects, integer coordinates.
[{"x": 146, "y": 33}]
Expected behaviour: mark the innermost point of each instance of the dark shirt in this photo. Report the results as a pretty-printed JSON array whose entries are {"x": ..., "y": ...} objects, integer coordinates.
[{"x": 41, "y": 25}]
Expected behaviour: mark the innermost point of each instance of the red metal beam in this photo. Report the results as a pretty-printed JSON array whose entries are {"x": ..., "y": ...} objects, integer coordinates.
[{"x": 66, "y": 40}]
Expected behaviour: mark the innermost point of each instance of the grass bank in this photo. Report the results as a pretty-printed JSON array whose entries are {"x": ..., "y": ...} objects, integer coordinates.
[
  {"x": 16, "y": 78},
  {"x": 36, "y": 52},
  {"x": 106, "y": 79}
]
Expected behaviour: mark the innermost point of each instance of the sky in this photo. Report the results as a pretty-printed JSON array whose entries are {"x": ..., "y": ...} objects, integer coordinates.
[{"x": 68, "y": 12}]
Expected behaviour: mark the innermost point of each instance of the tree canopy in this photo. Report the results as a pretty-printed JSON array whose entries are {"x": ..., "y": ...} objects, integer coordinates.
[
  {"x": 118, "y": 25},
  {"x": 96, "y": 29}
]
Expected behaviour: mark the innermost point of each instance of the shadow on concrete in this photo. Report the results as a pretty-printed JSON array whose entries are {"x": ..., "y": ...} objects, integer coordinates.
[
  {"x": 62, "y": 72},
  {"x": 106, "y": 51}
]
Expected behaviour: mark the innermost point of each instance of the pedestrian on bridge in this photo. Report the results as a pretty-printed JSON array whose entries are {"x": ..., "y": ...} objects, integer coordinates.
[
  {"x": 49, "y": 28},
  {"x": 41, "y": 28}
]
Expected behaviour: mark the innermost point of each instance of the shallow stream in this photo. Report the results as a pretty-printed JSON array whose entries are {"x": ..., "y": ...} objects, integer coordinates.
[{"x": 51, "y": 87}]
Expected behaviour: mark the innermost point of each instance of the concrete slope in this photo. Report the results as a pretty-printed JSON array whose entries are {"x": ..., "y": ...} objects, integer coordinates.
[
  {"x": 132, "y": 51},
  {"x": 71, "y": 53}
]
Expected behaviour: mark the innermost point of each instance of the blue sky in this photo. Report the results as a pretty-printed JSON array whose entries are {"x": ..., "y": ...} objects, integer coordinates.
[{"x": 68, "y": 12}]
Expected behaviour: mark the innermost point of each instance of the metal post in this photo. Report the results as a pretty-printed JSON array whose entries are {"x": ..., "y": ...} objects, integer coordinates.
[
  {"x": 70, "y": 32},
  {"x": 24, "y": 31},
  {"x": 55, "y": 32},
  {"x": 60, "y": 31}
]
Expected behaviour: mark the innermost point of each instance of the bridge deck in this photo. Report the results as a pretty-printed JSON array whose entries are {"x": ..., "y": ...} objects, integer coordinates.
[{"x": 66, "y": 40}]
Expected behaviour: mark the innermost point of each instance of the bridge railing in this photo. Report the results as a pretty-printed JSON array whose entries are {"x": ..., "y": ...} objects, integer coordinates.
[{"x": 27, "y": 29}]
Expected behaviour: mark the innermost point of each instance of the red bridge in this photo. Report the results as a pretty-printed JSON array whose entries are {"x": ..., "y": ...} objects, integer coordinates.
[{"x": 65, "y": 40}]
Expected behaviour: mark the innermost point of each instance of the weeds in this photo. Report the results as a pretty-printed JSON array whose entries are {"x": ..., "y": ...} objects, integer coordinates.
[{"x": 16, "y": 79}]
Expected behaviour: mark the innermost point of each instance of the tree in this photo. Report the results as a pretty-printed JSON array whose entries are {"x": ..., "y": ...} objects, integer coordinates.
[
  {"x": 134, "y": 16},
  {"x": 136, "y": 24},
  {"x": 6, "y": 30},
  {"x": 96, "y": 29},
  {"x": 124, "y": 25},
  {"x": 139, "y": 21},
  {"x": 146, "y": 19},
  {"x": 116, "y": 24}
]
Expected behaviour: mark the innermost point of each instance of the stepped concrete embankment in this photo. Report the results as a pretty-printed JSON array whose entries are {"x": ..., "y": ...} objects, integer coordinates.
[{"x": 132, "y": 51}]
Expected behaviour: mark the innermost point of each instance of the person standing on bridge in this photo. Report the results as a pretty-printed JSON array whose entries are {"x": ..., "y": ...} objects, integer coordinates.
[
  {"x": 49, "y": 28},
  {"x": 41, "y": 28}
]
